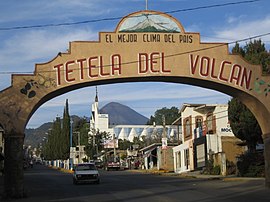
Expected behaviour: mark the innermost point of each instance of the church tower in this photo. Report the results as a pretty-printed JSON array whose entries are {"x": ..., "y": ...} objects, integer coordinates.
[{"x": 95, "y": 113}]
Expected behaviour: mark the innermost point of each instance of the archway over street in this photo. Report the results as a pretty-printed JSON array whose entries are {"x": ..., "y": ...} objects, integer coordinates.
[{"x": 145, "y": 46}]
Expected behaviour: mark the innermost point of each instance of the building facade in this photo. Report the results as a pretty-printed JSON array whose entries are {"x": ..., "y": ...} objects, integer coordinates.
[
  {"x": 127, "y": 132},
  {"x": 206, "y": 136}
]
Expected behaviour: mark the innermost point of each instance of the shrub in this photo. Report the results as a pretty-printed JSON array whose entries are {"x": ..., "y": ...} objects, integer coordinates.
[
  {"x": 230, "y": 168},
  {"x": 251, "y": 165},
  {"x": 210, "y": 168},
  {"x": 215, "y": 170}
]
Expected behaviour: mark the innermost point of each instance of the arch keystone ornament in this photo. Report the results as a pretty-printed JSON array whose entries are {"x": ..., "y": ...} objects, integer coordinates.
[{"x": 145, "y": 46}]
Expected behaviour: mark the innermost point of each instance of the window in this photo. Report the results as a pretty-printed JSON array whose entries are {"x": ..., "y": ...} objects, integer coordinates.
[
  {"x": 211, "y": 123},
  {"x": 199, "y": 121},
  {"x": 187, "y": 128},
  {"x": 198, "y": 126}
]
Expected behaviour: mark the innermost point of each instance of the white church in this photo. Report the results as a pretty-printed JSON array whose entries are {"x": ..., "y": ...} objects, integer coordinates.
[{"x": 126, "y": 132}]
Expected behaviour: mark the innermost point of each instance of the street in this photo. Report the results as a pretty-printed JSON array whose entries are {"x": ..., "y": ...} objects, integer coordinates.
[{"x": 46, "y": 184}]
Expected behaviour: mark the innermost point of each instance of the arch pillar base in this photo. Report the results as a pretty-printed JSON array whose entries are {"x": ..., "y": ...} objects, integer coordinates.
[
  {"x": 266, "y": 140},
  {"x": 13, "y": 169}
]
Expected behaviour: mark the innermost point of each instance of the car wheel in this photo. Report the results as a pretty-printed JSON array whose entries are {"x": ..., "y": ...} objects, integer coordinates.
[{"x": 98, "y": 181}]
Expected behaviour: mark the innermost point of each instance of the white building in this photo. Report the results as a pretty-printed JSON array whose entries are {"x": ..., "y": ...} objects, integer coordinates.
[
  {"x": 99, "y": 121},
  {"x": 125, "y": 132},
  {"x": 206, "y": 131}
]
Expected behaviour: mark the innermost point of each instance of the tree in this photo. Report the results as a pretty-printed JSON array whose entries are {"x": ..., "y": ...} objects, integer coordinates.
[
  {"x": 56, "y": 139},
  {"x": 255, "y": 53},
  {"x": 170, "y": 116},
  {"x": 65, "y": 135},
  {"x": 82, "y": 128},
  {"x": 137, "y": 141},
  {"x": 244, "y": 124},
  {"x": 96, "y": 142},
  {"x": 124, "y": 144}
]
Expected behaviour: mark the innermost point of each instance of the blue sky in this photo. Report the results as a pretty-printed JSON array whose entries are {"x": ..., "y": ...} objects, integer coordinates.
[{"x": 21, "y": 49}]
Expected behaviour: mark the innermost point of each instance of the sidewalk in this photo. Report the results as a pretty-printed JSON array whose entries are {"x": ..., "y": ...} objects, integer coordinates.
[{"x": 197, "y": 175}]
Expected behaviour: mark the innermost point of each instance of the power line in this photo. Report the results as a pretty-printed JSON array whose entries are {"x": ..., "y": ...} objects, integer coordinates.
[
  {"x": 166, "y": 56},
  {"x": 118, "y": 18},
  {"x": 212, "y": 6}
]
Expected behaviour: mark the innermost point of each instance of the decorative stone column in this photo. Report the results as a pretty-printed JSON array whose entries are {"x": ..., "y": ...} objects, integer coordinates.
[
  {"x": 266, "y": 140},
  {"x": 13, "y": 170}
]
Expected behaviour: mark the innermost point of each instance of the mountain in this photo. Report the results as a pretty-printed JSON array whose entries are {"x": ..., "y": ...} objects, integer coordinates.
[
  {"x": 35, "y": 136},
  {"x": 148, "y": 25},
  {"x": 118, "y": 115},
  {"x": 122, "y": 115}
]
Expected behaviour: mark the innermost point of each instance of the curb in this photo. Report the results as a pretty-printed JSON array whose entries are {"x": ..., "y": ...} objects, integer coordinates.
[
  {"x": 62, "y": 169},
  {"x": 186, "y": 175},
  {"x": 232, "y": 179}
]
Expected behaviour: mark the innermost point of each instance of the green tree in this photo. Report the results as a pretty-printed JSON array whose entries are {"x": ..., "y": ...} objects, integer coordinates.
[
  {"x": 96, "y": 142},
  {"x": 243, "y": 122},
  {"x": 124, "y": 144},
  {"x": 255, "y": 53},
  {"x": 137, "y": 141},
  {"x": 65, "y": 135},
  {"x": 170, "y": 116},
  {"x": 57, "y": 139},
  {"x": 81, "y": 128},
  {"x": 52, "y": 149},
  {"x": 49, "y": 147}
]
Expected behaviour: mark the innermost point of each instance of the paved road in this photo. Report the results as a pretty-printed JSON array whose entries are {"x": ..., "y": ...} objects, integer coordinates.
[{"x": 45, "y": 184}]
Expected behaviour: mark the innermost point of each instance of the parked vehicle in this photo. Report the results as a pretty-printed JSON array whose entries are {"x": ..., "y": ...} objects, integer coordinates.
[
  {"x": 112, "y": 164},
  {"x": 99, "y": 163},
  {"x": 39, "y": 161},
  {"x": 86, "y": 173}
]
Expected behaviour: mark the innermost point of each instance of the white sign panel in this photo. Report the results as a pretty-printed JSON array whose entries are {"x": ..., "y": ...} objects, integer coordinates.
[
  {"x": 110, "y": 144},
  {"x": 164, "y": 143}
]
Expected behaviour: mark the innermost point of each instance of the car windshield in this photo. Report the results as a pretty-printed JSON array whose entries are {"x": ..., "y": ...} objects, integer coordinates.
[{"x": 86, "y": 167}]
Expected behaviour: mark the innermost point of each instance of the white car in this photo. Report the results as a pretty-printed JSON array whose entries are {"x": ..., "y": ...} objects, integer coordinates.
[{"x": 85, "y": 173}]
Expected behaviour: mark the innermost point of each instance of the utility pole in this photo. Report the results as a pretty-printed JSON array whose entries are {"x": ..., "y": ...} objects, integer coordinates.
[
  {"x": 79, "y": 138},
  {"x": 71, "y": 122},
  {"x": 114, "y": 149},
  {"x": 164, "y": 142},
  {"x": 94, "y": 141},
  {"x": 70, "y": 149},
  {"x": 146, "y": 4},
  {"x": 79, "y": 159},
  {"x": 164, "y": 134}
]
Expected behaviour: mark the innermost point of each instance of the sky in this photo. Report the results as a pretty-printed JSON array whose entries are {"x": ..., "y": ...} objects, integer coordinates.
[{"x": 21, "y": 49}]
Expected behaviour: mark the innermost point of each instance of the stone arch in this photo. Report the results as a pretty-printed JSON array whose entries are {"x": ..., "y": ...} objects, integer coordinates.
[
  {"x": 145, "y": 53},
  {"x": 256, "y": 107}
]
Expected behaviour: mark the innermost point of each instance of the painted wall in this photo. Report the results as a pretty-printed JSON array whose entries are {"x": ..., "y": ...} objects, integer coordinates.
[{"x": 223, "y": 141}]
